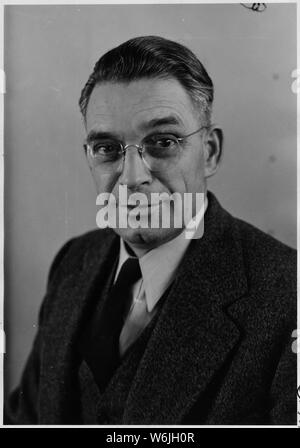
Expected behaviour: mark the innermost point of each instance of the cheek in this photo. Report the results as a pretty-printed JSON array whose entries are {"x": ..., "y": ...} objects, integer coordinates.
[
  {"x": 105, "y": 183},
  {"x": 171, "y": 181},
  {"x": 192, "y": 172}
]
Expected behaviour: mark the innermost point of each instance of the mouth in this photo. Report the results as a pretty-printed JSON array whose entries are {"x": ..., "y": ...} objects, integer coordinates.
[
  {"x": 139, "y": 206},
  {"x": 142, "y": 205}
]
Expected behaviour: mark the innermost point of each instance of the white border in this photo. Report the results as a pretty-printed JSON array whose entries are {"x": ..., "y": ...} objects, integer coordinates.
[
  {"x": 2, "y": 91},
  {"x": 124, "y": 2},
  {"x": 298, "y": 213}
]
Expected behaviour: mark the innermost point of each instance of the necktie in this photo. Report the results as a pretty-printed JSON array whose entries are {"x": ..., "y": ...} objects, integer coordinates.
[
  {"x": 136, "y": 321},
  {"x": 103, "y": 353}
]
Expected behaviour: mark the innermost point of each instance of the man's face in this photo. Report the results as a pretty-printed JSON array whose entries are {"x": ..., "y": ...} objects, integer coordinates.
[{"x": 129, "y": 112}]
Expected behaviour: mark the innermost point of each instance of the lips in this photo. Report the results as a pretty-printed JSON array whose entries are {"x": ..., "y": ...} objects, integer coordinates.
[{"x": 140, "y": 206}]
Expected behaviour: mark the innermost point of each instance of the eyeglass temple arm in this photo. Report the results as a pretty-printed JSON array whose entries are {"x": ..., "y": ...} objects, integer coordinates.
[{"x": 192, "y": 133}]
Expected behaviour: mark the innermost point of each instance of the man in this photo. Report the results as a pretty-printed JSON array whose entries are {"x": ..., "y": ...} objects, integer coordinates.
[{"x": 143, "y": 325}]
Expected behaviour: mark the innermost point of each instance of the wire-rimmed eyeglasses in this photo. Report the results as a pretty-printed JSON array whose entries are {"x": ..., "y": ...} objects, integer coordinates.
[{"x": 159, "y": 151}]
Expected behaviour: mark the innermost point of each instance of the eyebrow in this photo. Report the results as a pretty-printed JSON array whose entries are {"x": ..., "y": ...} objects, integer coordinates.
[
  {"x": 155, "y": 122},
  {"x": 95, "y": 135}
]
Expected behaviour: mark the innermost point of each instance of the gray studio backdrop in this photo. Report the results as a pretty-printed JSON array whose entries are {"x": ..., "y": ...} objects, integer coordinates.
[{"x": 49, "y": 195}]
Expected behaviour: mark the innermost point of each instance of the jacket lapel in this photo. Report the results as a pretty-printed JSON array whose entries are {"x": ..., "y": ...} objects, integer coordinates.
[
  {"x": 71, "y": 303},
  {"x": 193, "y": 336}
]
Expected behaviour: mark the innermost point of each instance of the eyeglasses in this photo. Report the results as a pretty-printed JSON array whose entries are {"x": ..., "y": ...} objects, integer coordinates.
[{"x": 159, "y": 152}]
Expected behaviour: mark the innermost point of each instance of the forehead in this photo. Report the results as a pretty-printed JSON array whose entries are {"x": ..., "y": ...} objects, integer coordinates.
[{"x": 136, "y": 104}]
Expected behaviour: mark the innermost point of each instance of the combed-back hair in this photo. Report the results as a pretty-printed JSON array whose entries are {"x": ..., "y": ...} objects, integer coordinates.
[{"x": 153, "y": 57}]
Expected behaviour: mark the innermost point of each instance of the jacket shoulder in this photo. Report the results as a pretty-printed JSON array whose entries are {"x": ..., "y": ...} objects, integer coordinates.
[
  {"x": 269, "y": 262},
  {"x": 74, "y": 250}
]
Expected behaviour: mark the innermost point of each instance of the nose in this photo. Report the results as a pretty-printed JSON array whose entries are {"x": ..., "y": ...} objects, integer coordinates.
[{"x": 134, "y": 171}]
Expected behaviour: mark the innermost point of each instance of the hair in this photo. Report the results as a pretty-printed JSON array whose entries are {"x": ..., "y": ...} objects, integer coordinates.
[{"x": 153, "y": 57}]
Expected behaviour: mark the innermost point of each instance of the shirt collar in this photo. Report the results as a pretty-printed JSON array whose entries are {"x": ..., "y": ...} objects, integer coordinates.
[{"x": 159, "y": 265}]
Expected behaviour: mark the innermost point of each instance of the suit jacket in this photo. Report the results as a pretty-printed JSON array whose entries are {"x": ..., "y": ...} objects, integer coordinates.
[{"x": 220, "y": 352}]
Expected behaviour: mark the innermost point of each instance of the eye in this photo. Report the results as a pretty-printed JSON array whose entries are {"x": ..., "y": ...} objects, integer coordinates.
[
  {"x": 161, "y": 142},
  {"x": 105, "y": 149}
]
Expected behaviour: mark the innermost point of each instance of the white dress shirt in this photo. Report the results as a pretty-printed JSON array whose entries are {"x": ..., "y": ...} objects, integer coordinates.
[{"x": 158, "y": 267}]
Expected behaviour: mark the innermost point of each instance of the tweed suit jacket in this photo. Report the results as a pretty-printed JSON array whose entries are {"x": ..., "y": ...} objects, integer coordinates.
[{"x": 220, "y": 352}]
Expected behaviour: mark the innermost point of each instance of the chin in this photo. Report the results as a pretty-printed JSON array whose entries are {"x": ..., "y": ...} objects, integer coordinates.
[{"x": 147, "y": 238}]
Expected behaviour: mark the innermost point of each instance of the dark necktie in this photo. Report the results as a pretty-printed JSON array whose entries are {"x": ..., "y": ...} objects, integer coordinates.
[{"x": 103, "y": 342}]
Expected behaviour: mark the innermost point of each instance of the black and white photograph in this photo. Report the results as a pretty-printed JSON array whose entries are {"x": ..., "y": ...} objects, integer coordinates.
[{"x": 150, "y": 215}]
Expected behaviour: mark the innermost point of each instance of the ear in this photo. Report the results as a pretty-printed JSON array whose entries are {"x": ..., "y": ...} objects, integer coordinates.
[{"x": 213, "y": 145}]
